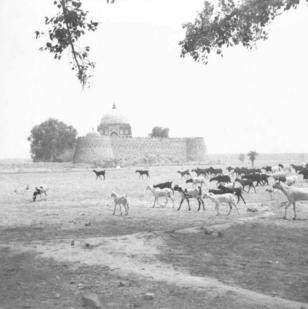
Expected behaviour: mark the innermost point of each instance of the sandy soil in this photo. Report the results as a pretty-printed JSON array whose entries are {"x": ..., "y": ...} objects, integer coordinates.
[{"x": 57, "y": 249}]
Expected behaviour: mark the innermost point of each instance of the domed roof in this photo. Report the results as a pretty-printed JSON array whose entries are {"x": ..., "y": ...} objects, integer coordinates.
[
  {"x": 113, "y": 117},
  {"x": 93, "y": 134}
]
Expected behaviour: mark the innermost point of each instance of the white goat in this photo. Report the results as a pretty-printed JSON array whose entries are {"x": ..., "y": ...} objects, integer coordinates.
[
  {"x": 293, "y": 195},
  {"x": 120, "y": 201},
  {"x": 291, "y": 180},
  {"x": 199, "y": 180},
  {"x": 218, "y": 199},
  {"x": 276, "y": 169},
  {"x": 157, "y": 192}
]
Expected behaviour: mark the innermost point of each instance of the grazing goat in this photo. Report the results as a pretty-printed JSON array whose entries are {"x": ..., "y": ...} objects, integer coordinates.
[
  {"x": 293, "y": 195},
  {"x": 196, "y": 180},
  {"x": 201, "y": 171},
  {"x": 184, "y": 173},
  {"x": 246, "y": 182},
  {"x": 42, "y": 189},
  {"x": 164, "y": 185},
  {"x": 304, "y": 172},
  {"x": 236, "y": 191},
  {"x": 120, "y": 201},
  {"x": 99, "y": 174},
  {"x": 221, "y": 179},
  {"x": 164, "y": 192},
  {"x": 189, "y": 194},
  {"x": 143, "y": 173},
  {"x": 227, "y": 198},
  {"x": 254, "y": 177}
]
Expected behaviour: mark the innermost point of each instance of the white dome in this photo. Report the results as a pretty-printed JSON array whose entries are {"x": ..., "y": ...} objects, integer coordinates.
[{"x": 113, "y": 117}]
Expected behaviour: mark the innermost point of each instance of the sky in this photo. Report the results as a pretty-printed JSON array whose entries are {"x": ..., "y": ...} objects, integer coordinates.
[{"x": 249, "y": 99}]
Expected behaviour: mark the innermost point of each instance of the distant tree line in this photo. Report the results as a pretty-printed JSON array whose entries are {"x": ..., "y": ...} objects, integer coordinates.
[{"x": 159, "y": 132}]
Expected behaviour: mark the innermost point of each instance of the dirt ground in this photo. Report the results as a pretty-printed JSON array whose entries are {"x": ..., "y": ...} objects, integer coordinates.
[{"x": 59, "y": 249}]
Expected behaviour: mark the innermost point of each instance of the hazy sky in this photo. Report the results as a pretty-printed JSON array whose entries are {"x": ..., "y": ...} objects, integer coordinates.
[{"x": 247, "y": 100}]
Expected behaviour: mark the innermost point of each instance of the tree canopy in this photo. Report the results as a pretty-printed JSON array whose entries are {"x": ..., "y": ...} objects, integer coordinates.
[
  {"x": 231, "y": 23},
  {"x": 50, "y": 139},
  {"x": 252, "y": 156},
  {"x": 228, "y": 23},
  {"x": 159, "y": 132},
  {"x": 65, "y": 29}
]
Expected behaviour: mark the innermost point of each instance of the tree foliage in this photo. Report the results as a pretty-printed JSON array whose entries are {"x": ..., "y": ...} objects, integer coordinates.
[
  {"x": 231, "y": 23},
  {"x": 160, "y": 132},
  {"x": 65, "y": 29},
  {"x": 252, "y": 156},
  {"x": 50, "y": 139}
]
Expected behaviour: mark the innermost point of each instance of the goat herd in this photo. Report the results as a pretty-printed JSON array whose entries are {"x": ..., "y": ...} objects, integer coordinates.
[{"x": 229, "y": 186}]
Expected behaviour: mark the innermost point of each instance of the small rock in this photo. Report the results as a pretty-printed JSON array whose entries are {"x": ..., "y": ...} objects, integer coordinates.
[
  {"x": 252, "y": 209},
  {"x": 88, "y": 246},
  {"x": 91, "y": 301},
  {"x": 121, "y": 284},
  {"x": 132, "y": 306},
  {"x": 88, "y": 224},
  {"x": 148, "y": 296},
  {"x": 72, "y": 243},
  {"x": 57, "y": 295}
]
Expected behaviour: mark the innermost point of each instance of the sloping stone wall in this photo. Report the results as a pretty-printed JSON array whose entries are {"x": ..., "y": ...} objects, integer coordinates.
[{"x": 99, "y": 149}]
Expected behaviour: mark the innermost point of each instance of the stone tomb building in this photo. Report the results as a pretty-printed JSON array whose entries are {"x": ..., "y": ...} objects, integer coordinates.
[{"x": 113, "y": 141}]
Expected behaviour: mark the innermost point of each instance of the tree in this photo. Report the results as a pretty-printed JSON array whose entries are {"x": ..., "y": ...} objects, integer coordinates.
[
  {"x": 159, "y": 132},
  {"x": 66, "y": 28},
  {"x": 50, "y": 139},
  {"x": 231, "y": 23},
  {"x": 241, "y": 157},
  {"x": 252, "y": 157}
]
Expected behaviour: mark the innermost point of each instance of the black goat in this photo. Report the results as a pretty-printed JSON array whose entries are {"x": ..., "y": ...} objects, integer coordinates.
[
  {"x": 246, "y": 182},
  {"x": 99, "y": 174},
  {"x": 221, "y": 179},
  {"x": 254, "y": 177},
  {"x": 189, "y": 194},
  {"x": 184, "y": 173},
  {"x": 201, "y": 171},
  {"x": 143, "y": 173},
  {"x": 163, "y": 185},
  {"x": 236, "y": 191}
]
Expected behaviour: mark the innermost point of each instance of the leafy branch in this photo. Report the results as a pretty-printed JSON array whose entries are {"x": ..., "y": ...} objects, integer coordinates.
[
  {"x": 230, "y": 23},
  {"x": 66, "y": 28}
]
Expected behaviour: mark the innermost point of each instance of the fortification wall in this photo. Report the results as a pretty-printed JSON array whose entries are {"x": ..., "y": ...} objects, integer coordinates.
[
  {"x": 172, "y": 149},
  {"x": 93, "y": 149},
  {"x": 100, "y": 149},
  {"x": 196, "y": 149}
]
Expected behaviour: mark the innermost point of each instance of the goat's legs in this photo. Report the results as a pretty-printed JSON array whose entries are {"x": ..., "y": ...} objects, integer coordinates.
[
  {"x": 217, "y": 209},
  {"x": 199, "y": 204},
  {"x": 241, "y": 196},
  {"x": 294, "y": 210},
  {"x": 182, "y": 200},
  {"x": 114, "y": 209},
  {"x": 202, "y": 202},
  {"x": 230, "y": 209},
  {"x": 285, "y": 210},
  {"x": 155, "y": 199},
  {"x": 235, "y": 207}
]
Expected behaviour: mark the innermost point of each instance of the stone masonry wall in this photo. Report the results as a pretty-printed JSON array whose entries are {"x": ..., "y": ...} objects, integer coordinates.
[{"x": 99, "y": 149}]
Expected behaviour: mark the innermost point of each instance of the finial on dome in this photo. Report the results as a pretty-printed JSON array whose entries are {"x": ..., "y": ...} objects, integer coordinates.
[{"x": 114, "y": 106}]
